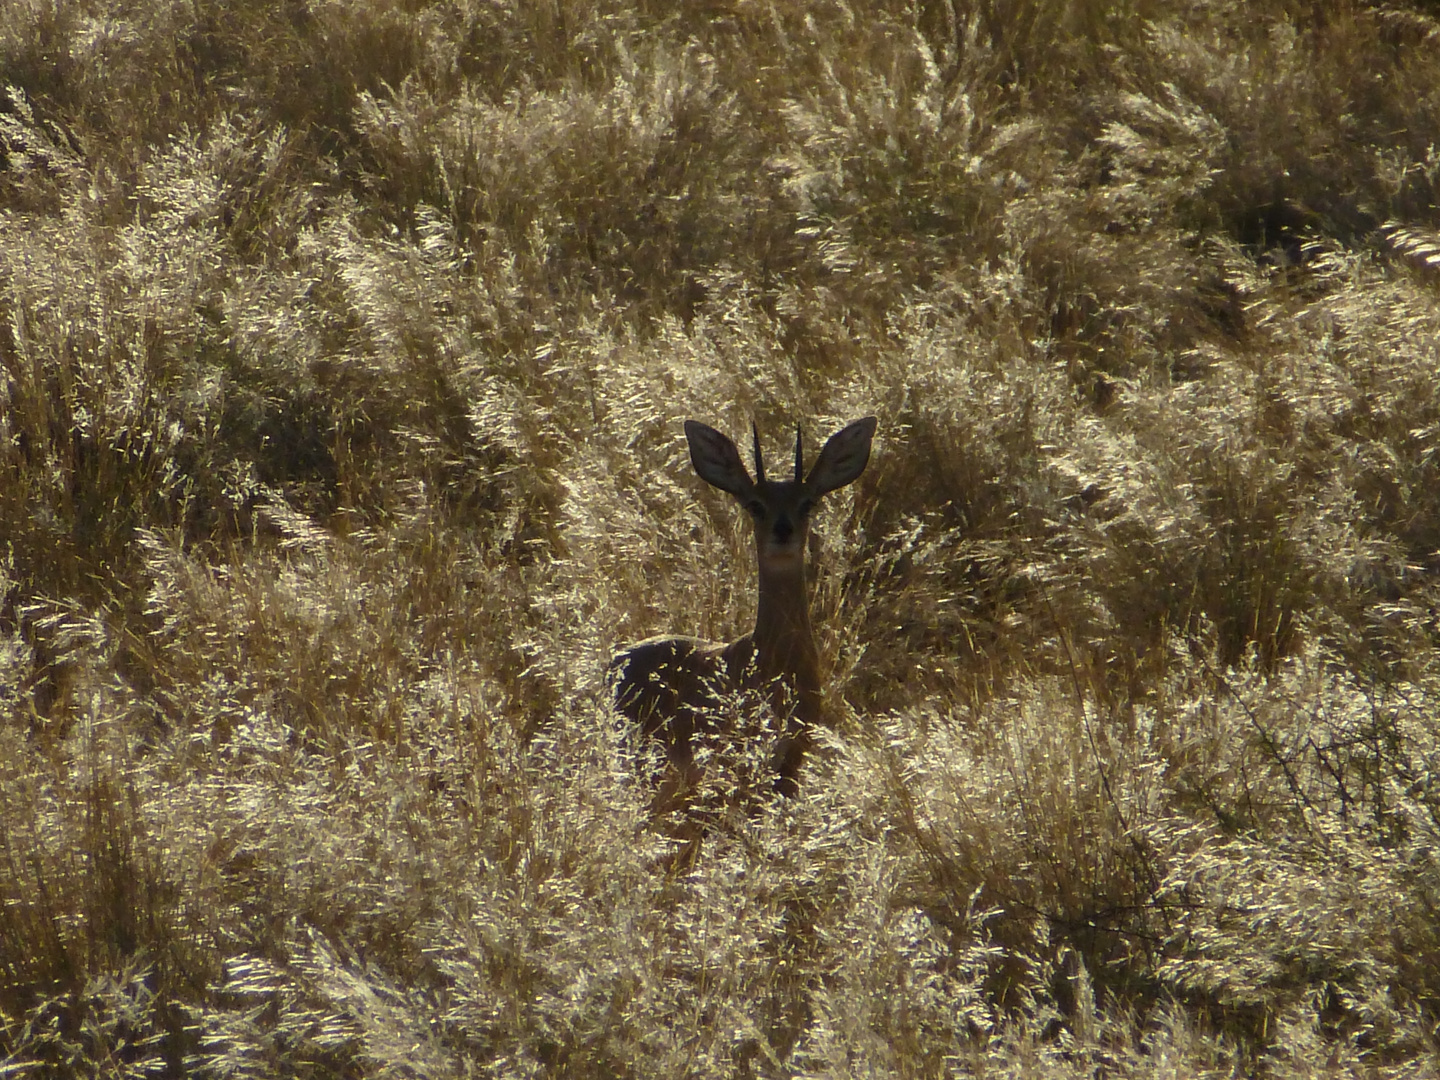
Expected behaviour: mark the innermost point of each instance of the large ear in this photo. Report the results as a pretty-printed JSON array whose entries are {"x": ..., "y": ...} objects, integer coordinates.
[
  {"x": 843, "y": 459},
  {"x": 716, "y": 459}
]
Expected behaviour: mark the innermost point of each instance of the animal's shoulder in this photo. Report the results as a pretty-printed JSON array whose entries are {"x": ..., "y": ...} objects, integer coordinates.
[{"x": 740, "y": 660}]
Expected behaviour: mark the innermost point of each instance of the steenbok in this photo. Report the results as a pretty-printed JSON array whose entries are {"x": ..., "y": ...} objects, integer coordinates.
[{"x": 673, "y": 687}]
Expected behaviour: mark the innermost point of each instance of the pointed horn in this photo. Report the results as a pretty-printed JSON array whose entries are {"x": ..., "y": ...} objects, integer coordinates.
[
  {"x": 759, "y": 463},
  {"x": 799, "y": 457}
]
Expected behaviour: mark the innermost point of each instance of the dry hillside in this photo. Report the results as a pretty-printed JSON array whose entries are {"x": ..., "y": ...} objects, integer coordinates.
[{"x": 344, "y": 351}]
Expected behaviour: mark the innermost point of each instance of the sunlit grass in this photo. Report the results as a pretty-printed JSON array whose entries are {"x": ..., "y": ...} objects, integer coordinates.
[{"x": 345, "y": 351}]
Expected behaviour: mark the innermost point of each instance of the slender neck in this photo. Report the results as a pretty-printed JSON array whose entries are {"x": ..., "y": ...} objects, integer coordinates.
[{"x": 784, "y": 642}]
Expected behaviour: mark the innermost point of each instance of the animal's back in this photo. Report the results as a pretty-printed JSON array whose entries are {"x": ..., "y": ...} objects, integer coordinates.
[{"x": 672, "y": 686}]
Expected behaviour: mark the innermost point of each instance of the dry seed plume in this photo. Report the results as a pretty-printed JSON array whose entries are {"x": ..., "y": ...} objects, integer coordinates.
[{"x": 671, "y": 686}]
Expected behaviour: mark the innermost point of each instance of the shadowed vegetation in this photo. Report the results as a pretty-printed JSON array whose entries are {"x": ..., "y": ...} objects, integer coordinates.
[{"x": 344, "y": 354}]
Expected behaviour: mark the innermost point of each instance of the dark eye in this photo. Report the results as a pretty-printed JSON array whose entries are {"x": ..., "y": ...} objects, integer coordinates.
[
  {"x": 756, "y": 508},
  {"x": 804, "y": 507}
]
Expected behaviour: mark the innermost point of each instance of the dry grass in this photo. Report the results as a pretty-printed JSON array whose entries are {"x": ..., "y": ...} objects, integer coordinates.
[{"x": 345, "y": 348}]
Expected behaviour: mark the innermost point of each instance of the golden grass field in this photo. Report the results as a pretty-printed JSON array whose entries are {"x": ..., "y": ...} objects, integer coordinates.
[{"x": 345, "y": 350}]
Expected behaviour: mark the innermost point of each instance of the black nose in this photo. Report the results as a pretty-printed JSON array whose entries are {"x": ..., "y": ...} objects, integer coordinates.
[{"x": 783, "y": 529}]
